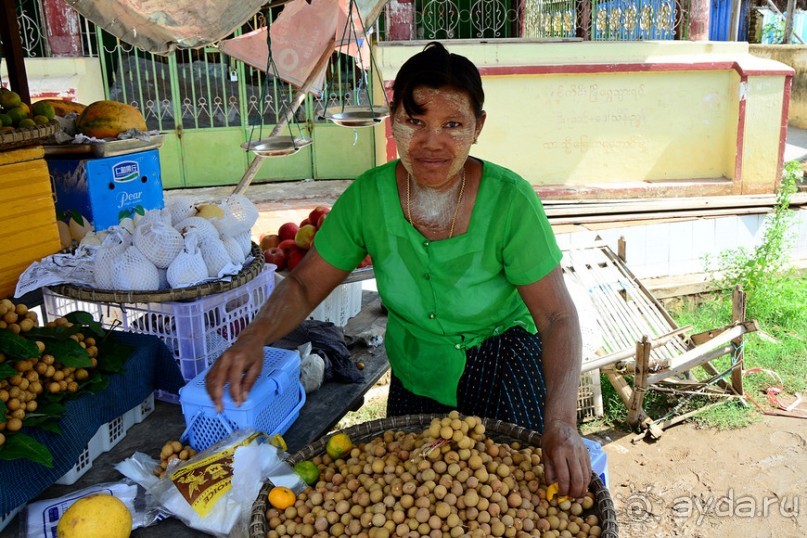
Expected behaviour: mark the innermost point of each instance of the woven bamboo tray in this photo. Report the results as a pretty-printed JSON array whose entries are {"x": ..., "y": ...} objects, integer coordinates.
[
  {"x": 28, "y": 136},
  {"x": 250, "y": 271},
  {"x": 495, "y": 429}
]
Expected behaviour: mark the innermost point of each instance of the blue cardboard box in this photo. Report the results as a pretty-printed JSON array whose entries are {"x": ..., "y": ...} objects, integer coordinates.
[{"x": 97, "y": 193}]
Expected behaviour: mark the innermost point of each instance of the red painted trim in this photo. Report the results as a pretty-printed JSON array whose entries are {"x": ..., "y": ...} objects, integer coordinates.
[
  {"x": 783, "y": 130},
  {"x": 507, "y": 70},
  {"x": 738, "y": 158}
]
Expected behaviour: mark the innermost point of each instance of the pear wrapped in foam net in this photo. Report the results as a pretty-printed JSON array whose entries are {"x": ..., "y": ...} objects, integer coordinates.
[
  {"x": 133, "y": 271},
  {"x": 181, "y": 207},
  {"x": 245, "y": 242},
  {"x": 240, "y": 214},
  {"x": 202, "y": 227},
  {"x": 188, "y": 268},
  {"x": 158, "y": 241},
  {"x": 115, "y": 243},
  {"x": 215, "y": 256},
  {"x": 233, "y": 250}
]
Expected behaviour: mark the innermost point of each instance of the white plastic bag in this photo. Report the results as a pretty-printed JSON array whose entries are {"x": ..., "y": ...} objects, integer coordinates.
[
  {"x": 133, "y": 271},
  {"x": 158, "y": 241},
  {"x": 312, "y": 368},
  {"x": 188, "y": 268},
  {"x": 115, "y": 243}
]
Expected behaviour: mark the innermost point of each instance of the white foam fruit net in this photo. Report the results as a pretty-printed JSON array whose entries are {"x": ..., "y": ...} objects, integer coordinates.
[
  {"x": 242, "y": 210},
  {"x": 151, "y": 216},
  {"x": 114, "y": 244},
  {"x": 188, "y": 268},
  {"x": 201, "y": 226},
  {"x": 158, "y": 242},
  {"x": 215, "y": 256},
  {"x": 181, "y": 207},
  {"x": 132, "y": 271},
  {"x": 233, "y": 250},
  {"x": 228, "y": 225},
  {"x": 244, "y": 241}
]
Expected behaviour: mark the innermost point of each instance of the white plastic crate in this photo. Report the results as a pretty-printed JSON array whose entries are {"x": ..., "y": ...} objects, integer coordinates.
[
  {"x": 343, "y": 303},
  {"x": 196, "y": 331},
  {"x": 107, "y": 436},
  {"x": 5, "y": 519},
  {"x": 273, "y": 404},
  {"x": 589, "y": 396}
]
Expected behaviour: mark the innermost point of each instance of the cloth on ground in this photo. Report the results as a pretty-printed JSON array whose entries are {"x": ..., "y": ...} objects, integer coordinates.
[
  {"x": 327, "y": 341},
  {"x": 150, "y": 366}
]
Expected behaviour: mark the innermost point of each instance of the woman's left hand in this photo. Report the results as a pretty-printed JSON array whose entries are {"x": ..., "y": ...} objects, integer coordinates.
[{"x": 566, "y": 460}]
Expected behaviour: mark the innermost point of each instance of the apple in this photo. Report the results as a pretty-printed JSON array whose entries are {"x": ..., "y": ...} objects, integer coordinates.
[
  {"x": 321, "y": 220},
  {"x": 366, "y": 262},
  {"x": 304, "y": 222},
  {"x": 287, "y": 231},
  {"x": 269, "y": 241},
  {"x": 275, "y": 256},
  {"x": 295, "y": 257},
  {"x": 287, "y": 246},
  {"x": 317, "y": 213},
  {"x": 305, "y": 236}
]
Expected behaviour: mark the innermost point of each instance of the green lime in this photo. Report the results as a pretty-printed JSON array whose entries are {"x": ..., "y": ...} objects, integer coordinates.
[
  {"x": 17, "y": 114},
  {"x": 41, "y": 120},
  {"x": 5, "y": 120},
  {"x": 41, "y": 108},
  {"x": 308, "y": 471},
  {"x": 26, "y": 123},
  {"x": 9, "y": 99}
]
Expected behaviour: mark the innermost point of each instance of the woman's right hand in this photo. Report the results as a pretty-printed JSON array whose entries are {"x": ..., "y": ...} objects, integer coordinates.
[{"x": 239, "y": 366}]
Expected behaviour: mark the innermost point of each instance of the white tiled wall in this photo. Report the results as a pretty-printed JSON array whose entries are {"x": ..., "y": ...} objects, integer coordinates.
[{"x": 678, "y": 248}]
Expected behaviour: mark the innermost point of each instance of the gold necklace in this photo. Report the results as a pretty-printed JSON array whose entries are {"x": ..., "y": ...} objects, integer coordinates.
[{"x": 456, "y": 209}]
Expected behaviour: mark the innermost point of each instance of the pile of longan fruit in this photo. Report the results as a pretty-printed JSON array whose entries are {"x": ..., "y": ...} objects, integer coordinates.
[
  {"x": 450, "y": 480},
  {"x": 36, "y": 375},
  {"x": 172, "y": 450}
]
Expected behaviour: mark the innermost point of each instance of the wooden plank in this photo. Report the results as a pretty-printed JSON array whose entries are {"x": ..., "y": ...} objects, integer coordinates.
[
  {"x": 738, "y": 306},
  {"x": 12, "y": 50},
  {"x": 583, "y": 219}
]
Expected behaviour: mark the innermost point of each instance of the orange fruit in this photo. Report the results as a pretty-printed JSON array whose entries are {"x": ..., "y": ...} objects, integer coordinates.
[
  {"x": 281, "y": 497},
  {"x": 338, "y": 445}
]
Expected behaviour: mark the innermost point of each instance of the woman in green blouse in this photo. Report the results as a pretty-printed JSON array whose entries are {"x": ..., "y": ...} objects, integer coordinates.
[{"x": 467, "y": 265}]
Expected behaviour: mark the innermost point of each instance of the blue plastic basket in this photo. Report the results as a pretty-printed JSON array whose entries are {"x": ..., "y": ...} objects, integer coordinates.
[
  {"x": 599, "y": 460},
  {"x": 272, "y": 407}
]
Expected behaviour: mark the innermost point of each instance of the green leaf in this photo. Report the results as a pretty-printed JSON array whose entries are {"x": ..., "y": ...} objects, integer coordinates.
[
  {"x": 123, "y": 215},
  {"x": 112, "y": 354},
  {"x": 3, "y": 411},
  {"x": 86, "y": 320},
  {"x": 69, "y": 353},
  {"x": 54, "y": 409},
  {"x": 140, "y": 210},
  {"x": 6, "y": 371},
  {"x": 96, "y": 384},
  {"x": 15, "y": 346},
  {"x": 21, "y": 446},
  {"x": 51, "y": 426},
  {"x": 53, "y": 333}
]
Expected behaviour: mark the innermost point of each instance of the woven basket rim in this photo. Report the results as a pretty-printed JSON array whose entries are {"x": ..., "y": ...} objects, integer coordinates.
[
  {"x": 365, "y": 431},
  {"x": 28, "y": 136},
  {"x": 247, "y": 273}
]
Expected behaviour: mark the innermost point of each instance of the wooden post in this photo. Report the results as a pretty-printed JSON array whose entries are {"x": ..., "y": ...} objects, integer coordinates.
[
  {"x": 12, "y": 50},
  {"x": 620, "y": 385},
  {"x": 788, "y": 37},
  {"x": 64, "y": 29},
  {"x": 735, "y": 20},
  {"x": 699, "y": 20},
  {"x": 738, "y": 304},
  {"x": 622, "y": 249},
  {"x": 635, "y": 409}
]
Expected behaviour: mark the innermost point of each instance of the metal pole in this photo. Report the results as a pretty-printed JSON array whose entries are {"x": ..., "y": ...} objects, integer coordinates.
[{"x": 296, "y": 101}]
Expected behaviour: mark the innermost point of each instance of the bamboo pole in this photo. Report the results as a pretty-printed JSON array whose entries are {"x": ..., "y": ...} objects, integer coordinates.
[
  {"x": 640, "y": 382},
  {"x": 738, "y": 308}
]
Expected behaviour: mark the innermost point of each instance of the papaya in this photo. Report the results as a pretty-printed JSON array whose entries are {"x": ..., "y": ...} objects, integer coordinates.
[
  {"x": 63, "y": 107},
  {"x": 107, "y": 119}
]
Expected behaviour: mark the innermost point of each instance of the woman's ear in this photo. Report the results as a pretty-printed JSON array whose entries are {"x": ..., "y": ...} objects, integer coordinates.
[{"x": 480, "y": 122}]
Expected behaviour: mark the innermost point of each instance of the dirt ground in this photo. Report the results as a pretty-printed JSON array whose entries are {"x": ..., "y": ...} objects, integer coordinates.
[{"x": 707, "y": 483}]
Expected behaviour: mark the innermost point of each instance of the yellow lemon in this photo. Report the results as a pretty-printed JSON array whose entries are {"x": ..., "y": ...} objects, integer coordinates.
[
  {"x": 338, "y": 445},
  {"x": 95, "y": 516},
  {"x": 308, "y": 471},
  {"x": 281, "y": 497}
]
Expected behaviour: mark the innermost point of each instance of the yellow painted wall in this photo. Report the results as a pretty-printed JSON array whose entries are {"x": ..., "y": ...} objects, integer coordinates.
[
  {"x": 634, "y": 115},
  {"x": 796, "y": 57}
]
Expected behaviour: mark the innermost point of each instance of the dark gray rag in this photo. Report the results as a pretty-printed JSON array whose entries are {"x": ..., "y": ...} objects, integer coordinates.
[{"x": 327, "y": 341}]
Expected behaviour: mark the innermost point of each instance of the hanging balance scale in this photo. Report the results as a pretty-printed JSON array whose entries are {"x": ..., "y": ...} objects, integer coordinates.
[
  {"x": 354, "y": 116},
  {"x": 277, "y": 146}
]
